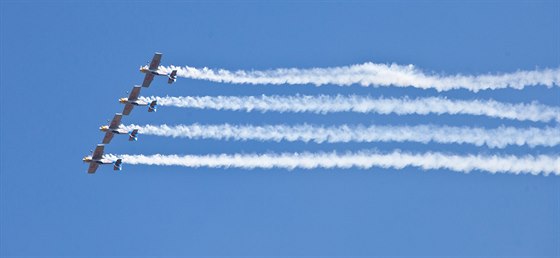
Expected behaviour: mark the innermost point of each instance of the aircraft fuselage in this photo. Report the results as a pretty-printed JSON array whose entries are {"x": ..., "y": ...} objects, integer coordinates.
[
  {"x": 113, "y": 130},
  {"x": 154, "y": 72},
  {"x": 88, "y": 159},
  {"x": 133, "y": 102}
]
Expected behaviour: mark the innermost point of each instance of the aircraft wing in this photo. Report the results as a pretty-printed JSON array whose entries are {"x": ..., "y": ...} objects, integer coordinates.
[
  {"x": 108, "y": 137},
  {"x": 155, "y": 61},
  {"x": 92, "y": 167},
  {"x": 98, "y": 153},
  {"x": 127, "y": 108},
  {"x": 147, "y": 80},
  {"x": 116, "y": 121},
  {"x": 134, "y": 93}
]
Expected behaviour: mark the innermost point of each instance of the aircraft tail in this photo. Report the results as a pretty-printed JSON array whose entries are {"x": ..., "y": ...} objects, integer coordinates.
[
  {"x": 172, "y": 77},
  {"x": 118, "y": 165},
  {"x": 133, "y": 136},
  {"x": 153, "y": 106}
]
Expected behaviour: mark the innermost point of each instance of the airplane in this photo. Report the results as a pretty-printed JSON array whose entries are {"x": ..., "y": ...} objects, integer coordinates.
[
  {"x": 97, "y": 159},
  {"x": 153, "y": 69},
  {"x": 133, "y": 100},
  {"x": 113, "y": 128}
]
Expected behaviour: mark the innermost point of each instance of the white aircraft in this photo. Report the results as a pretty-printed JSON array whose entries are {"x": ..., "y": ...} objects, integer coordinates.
[
  {"x": 153, "y": 69},
  {"x": 97, "y": 159},
  {"x": 133, "y": 100},
  {"x": 113, "y": 128}
]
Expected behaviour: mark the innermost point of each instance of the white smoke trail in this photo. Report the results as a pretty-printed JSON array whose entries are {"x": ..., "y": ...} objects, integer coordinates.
[
  {"x": 494, "y": 138},
  {"x": 540, "y": 164},
  {"x": 370, "y": 74},
  {"x": 363, "y": 104}
]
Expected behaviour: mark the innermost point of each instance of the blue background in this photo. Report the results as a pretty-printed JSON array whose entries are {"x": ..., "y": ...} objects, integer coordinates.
[{"x": 64, "y": 65}]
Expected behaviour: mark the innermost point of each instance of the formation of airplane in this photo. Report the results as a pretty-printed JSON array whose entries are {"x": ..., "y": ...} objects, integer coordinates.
[{"x": 113, "y": 128}]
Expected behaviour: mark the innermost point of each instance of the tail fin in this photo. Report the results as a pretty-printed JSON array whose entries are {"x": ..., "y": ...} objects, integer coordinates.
[
  {"x": 153, "y": 106},
  {"x": 118, "y": 165},
  {"x": 133, "y": 136},
  {"x": 172, "y": 77}
]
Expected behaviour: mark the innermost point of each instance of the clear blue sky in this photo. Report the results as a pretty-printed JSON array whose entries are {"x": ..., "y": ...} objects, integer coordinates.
[{"x": 64, "y": 65}]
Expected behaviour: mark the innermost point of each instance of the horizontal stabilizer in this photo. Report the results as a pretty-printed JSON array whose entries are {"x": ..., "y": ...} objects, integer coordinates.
[
  {"x": 172, "y": 77},
  {"x": 153, "y": 106},
  {"x": 118, "y": 165},
  {"x": 133, "y": 136}
]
